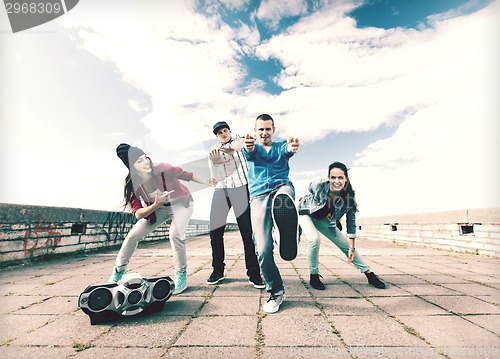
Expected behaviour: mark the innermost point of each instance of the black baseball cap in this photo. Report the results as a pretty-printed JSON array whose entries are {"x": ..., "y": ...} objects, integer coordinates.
[{"x": 219, "y": 125}]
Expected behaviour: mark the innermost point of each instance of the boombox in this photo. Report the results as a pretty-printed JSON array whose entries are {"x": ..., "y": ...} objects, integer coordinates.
[{"x": 130, "y": 296}]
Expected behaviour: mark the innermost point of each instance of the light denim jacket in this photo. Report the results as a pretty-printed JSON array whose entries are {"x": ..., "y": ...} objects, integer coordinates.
[{"x": 316, "y": 199}]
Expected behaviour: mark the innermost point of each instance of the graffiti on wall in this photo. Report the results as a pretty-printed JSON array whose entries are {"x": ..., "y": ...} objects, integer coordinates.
[
  {"x": 41, "y": 237},
  {"x": 117, "y": 225}
]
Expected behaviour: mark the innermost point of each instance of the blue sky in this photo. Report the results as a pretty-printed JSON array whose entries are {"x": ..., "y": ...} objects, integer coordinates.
[{"x": 403, "y": 92}]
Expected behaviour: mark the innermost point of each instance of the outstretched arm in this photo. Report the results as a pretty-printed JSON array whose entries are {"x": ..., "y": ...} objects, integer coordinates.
[
  {"x": 229, "y": 149},
  {"x": 209, "y": 182},
  {"x": 233, "y": 147}
]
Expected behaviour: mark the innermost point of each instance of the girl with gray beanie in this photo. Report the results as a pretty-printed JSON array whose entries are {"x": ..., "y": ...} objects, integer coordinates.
[{"x": 155, "y": 195}]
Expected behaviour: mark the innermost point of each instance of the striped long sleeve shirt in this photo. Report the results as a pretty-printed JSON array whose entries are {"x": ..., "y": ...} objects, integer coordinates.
[{"x": 233, "y": 172}]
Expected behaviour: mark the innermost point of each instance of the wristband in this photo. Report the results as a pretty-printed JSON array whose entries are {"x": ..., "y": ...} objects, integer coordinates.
[{"x": 352, "y": 249}]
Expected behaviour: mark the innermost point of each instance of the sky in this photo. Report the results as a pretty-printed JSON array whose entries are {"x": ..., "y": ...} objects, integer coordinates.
[{"x": 405, "y": 93}]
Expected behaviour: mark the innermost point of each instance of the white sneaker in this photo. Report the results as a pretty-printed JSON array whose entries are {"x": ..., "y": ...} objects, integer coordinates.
[{"x": 273, "y": 303}]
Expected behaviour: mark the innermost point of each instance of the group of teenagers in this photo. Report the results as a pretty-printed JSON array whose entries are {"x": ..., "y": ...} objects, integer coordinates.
[{"x": 250, "y": 175}]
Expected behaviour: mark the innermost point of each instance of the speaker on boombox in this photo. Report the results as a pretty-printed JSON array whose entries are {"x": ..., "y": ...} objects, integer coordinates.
[{"x": 130, "y": 296}]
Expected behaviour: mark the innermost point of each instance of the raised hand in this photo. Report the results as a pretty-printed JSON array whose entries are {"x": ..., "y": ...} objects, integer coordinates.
[
  {"x": 293, "y": 144},
  {"x": 163, "y": 198},
  {"x": 216, "y": 156},
  {"x": 250, "y": 142},
  {"x": 228, "y": 150}
]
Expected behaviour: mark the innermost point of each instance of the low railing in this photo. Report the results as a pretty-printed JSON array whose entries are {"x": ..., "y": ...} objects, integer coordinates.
[{"x": 33, "y": 232}]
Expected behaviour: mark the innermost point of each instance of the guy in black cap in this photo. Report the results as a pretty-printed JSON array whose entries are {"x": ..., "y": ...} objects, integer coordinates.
[{"x": 230, "y": 170}]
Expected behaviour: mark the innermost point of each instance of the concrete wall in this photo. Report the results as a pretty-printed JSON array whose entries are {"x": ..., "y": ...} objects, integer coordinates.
[
  {"x": 31, "y": 232},
  {"x": 471, "y": 230}
]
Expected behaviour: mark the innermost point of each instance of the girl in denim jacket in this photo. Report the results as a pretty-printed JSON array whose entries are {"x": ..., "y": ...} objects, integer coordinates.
[{"x": 320, "y": 211}]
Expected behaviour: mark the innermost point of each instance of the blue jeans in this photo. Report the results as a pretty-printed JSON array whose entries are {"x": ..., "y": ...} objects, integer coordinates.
[
  {"x": 312, "y": 228},
  {"x": 262, "y": 224}
]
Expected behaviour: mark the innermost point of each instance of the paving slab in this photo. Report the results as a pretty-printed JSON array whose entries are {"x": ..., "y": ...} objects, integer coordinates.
[
  {"x": 15, "y": 326},
  {"x": 348, "y": 306},
  {"x": 493, "y": 299},
  {"x": 12, "y": 303},
  {"x": 404, "y": 279},
  {"x": 233, "y": 305},
  {"x": 204, "y": 352},
  {"x": 64, "y": 330},
  {"x": 407, "y": 306},
  {"x": 442, "y": 279},
  {"x": 427, "y": 289},
  {"x": 438, "y": 304},
  {"x": 474, "y": 289},
  {"x": 450, "y": 331},
  {"x": 53, "y": 305},
  {"x": 16, "y": 352},
  {"x": 113, "y": 353},
  {"x": 484, "y": 279},
  {"x": 305, "y": 352},
  {"x": 374, "y": 330},
  {"x": 335, "y": 290},
  {"x": 306, "y": 330},
  {"x": 205, "y": 331},
  {"x": 298, "y": 306},
  {"x": 183, "y": 306},
  {"x": 487, "y": 321},
  {"x": 464, "y": 304},
  {"x": 373, "y": 352},
  {"x": 145, "y": 331}
]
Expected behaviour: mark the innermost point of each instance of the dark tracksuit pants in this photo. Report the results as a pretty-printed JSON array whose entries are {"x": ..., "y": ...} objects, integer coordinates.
[{"x": 222, "y": 201}]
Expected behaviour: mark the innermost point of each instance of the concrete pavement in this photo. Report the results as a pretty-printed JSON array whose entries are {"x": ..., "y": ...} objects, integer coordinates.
[{"x": 438, "y": 304}]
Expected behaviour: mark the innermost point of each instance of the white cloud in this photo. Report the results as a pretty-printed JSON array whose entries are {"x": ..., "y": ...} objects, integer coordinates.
[
  {"x": 233, "y": 5},
  {"x": 439, "y": 84},
  {"x": 182, "y": 60},
  {"x": 441, "y": 80},
  {"x": 273, "y": 11},
  {"x": 445, "y": 156}
]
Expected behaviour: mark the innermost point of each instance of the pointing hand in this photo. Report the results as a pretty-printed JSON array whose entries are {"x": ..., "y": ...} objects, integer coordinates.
[
  {"x": 250, "y": 142},
  {"x": 293, "y": 144}
]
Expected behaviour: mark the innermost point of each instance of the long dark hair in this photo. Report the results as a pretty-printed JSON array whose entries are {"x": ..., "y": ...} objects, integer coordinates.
[
  {"x": 347, "y": 193},
  {"x": 132, "y": 183},
  {"x": 127, "y": 190}
]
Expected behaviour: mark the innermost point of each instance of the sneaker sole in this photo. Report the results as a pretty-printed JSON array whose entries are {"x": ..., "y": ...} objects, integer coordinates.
[
  {"x": 214, "y": 283},
  {"x": 271, "y": 311},
  {"x": 258, "y": 286},
  {"x": 180, "y": 291},
  {"x": 286, "y": 218},
  {"x": 274, "y": 310}
]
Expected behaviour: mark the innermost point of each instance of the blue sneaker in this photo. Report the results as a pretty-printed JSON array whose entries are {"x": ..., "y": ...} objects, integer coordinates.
[
  {"x": 116, "y": 275},
  {"x": 180, "y": 282}
]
